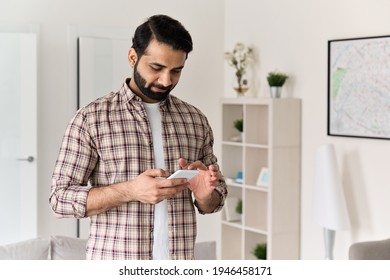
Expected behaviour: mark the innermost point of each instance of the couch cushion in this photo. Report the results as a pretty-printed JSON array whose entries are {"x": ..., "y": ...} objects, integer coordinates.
[
  {"x": 31, "y": 249},
  {"x": 205, "y": 250},
  {"x": 370, "y": 250},
  {"x": 68, "y": 248}
]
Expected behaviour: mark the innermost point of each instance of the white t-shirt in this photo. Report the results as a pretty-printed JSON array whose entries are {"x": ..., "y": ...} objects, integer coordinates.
[{"x": 160, "y": 232}]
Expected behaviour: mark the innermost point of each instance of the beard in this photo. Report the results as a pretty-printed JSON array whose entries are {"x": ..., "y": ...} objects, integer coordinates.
[{"x": 147, "y": 91}]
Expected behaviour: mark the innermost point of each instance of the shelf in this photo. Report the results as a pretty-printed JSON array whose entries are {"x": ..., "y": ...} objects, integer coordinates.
[
  {"x": 236, "y": 224},
  {"x": 251, "y": 240},
  {"x": 271, "y": 209},
  {"x": 255, "y": 208},
  {"x": 231, "y": 143},
  {"x": 257, "y": 188},
  {"x": 257, "y": 124},
  {"x": 236, "y": 153},
  {"x": 232, "y": 237},
  {"x": 260, "y": 146},
  {"x": 256, "y": 159}
]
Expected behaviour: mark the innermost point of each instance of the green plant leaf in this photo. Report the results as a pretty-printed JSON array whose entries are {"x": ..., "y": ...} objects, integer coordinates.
[
  {"x": 260, "y": 251},
  {"x": 239, "y": 207},
  {"x": 239, "y": 125},
  {"x": 276, "y": 79}
]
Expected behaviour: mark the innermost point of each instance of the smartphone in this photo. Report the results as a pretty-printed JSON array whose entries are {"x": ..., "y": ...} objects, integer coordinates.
[{"x": 188, "y": 174}]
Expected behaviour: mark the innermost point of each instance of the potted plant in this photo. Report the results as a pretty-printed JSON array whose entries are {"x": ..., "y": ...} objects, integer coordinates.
[
  {"x": 239, "y": 59},
  {"x": 260, "y": 251},
  {"x": 239, "y": 125},
  {"x": 239, "y": 207},
  {"x": 276, "y": 80}
]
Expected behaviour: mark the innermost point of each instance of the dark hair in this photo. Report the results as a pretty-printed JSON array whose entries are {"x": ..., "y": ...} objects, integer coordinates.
[{"x": 165, "y": 30}]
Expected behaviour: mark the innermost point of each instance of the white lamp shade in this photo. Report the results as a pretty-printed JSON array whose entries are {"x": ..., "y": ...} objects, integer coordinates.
[{"x": 329, "y": 207}]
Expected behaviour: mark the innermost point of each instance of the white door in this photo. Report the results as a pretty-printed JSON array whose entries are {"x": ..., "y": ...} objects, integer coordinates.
[{"x": 18, "y": 136}]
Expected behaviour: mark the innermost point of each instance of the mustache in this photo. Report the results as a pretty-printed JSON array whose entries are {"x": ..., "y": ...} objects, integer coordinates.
[{"x": 162, "y": 87}]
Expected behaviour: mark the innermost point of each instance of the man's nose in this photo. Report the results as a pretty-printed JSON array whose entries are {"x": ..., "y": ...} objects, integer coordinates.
[{"x": 165, "y": 79}]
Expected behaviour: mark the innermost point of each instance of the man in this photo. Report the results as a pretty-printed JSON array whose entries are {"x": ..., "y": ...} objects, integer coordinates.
[{"x": 126, "y": 144}]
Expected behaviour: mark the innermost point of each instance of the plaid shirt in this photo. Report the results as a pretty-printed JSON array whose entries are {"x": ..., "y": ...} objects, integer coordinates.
[{"x": 110, "y": 141}]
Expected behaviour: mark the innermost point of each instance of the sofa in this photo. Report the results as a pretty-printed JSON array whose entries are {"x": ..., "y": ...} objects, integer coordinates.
[
  {"x": 70, "y": 248},
  {"x": 370, "y": 250}
]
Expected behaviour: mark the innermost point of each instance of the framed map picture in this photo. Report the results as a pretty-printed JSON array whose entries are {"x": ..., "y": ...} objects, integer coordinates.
[{"x": 359, "y": 87}]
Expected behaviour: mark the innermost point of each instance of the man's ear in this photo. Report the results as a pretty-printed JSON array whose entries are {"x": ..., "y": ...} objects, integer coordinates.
[{"x": 132, "y": 57}]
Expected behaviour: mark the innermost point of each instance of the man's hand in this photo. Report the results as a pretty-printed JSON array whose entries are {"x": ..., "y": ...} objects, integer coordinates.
[
  {"x": 204, "y": 184},
  {"x": 152, "y": 187},
  {"x": 149, "y": 187}
]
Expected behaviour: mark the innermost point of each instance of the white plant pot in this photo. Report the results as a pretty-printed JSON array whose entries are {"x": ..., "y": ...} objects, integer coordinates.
[{"x": 275, "y": 92}]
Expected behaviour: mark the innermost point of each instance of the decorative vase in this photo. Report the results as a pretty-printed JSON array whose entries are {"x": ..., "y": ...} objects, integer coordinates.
[
  {"x": 241, "y": 85},
  {"x": 275, "y": 92},
  {"x": 241, "y": 91}
]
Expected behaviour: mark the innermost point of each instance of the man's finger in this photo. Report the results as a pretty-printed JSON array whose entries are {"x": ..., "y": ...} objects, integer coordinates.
[
  {"x": 183, "y": 163},
  {"x": 156, "y": 173}
]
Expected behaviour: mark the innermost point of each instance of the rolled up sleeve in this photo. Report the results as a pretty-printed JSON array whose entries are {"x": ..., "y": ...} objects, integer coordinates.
[{"x": 75, "y": 163}]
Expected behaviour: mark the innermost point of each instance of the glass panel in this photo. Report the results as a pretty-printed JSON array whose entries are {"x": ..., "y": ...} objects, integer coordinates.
[{"x": 103, "y": 67}]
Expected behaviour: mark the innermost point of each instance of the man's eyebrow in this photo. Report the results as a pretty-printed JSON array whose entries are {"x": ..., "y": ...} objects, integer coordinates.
[{"x": 163, "y": 66}]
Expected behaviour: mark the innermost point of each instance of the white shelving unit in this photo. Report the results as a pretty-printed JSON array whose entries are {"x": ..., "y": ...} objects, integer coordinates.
[{"x": 271, "y": 212}]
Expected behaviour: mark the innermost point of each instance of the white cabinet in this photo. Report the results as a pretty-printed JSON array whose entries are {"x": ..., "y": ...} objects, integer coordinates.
[{"x": 270, "y": 211}]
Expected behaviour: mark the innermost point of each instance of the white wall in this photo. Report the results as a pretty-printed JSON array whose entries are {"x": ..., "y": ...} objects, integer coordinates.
[
  {"x": 292, "y": 36},
  {"x": 201, "y": 84}
]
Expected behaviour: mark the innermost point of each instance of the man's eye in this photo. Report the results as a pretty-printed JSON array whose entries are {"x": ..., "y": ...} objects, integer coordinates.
[
  {"x": 176, "y": 71},
  {"x": 156, "y": 68}
]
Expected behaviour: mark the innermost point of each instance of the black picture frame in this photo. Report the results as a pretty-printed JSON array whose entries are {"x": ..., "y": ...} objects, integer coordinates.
[{"x": 359, "y": 87}]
